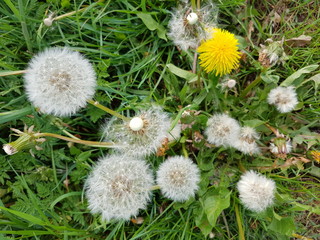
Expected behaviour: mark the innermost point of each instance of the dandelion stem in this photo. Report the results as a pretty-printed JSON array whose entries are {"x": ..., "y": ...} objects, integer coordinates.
[
  {"x": 155, "y": 187},
  {"x": 239, "y": 223},
  {"x": 194, "y": 65},
  {"x": 184, "y": 150},
  {"x": 226, "y": 224},
  {"x": 84, "y": 142},
  {"x": 108, "y": 110},
  {"x": 9, "y": 73},
  {"x": 250, "y": 86},
  {"x": 73, "y": 12}
]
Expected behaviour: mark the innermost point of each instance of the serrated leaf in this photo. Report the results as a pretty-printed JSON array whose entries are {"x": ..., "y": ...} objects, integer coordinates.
[
  {"x": 291, "y": 80},
  {"x": 253, "y": 123},
  {"x": 215, "y": 204},
  {"x": 201, "y": 221},
  {"x": 283, "y": 226}
]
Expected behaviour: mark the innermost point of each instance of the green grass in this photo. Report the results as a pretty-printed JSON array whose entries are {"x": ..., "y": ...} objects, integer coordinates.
[{"x": 42, "y": 193}]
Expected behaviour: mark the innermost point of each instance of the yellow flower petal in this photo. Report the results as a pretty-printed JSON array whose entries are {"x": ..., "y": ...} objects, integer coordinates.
[{"x": 220, "y": 54}]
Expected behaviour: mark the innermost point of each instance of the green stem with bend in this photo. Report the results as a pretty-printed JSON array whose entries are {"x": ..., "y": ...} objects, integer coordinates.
[
  {"x": 84, "y": 142},
  {"x": 108, "y": 110},
  {"x": 250, "y": 86}
]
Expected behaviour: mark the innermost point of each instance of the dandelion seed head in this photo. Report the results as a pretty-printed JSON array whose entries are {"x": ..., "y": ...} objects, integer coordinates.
[
  {"x": 118, "y": 187},
  {"x": 246, "y": 143},
  {"x": 219, "y": 54},
  {"x": 284, "y": 98},
  {"x": 187, "y": 29},
  {"x": 178, "y": 178},
  {"x": 59, "y": 81},
  {"x": 222, "y": 130},
  {"x": 144, "y": 141},
  {"x": 256, "y": 191}
]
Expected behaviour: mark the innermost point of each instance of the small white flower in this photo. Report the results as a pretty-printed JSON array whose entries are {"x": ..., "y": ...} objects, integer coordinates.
[
  {"x": 144, "y": 141},
  {"x": 175, "y": 133},
  {"x": 222, "y": 130},
  {"x": 59, "y": 81},
  {"x": 178, "y": 178},
  {"x": 119, "y": 187},
  {"x": 256, "y": 191},
  {"x": 247, "y": 141},
  {"x": 284, "y": 98}
]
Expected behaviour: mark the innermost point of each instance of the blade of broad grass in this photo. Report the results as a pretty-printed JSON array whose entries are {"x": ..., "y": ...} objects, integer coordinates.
[
  {"x": 25, "y": 31},
  {"x": 25, "y": 216},
  {"x": 14, "y": 114},
  {"x": 63, "y": 197},
  {"x": 13, "y": 8}
]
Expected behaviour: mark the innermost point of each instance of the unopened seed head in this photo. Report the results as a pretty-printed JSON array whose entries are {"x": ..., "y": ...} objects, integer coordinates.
[
  {"x": 231, "y": 83},
  {"x": 10, "y": 150},
  {"x": 136, "y": 124},
  {"x": 192, "y": 18},
  {"x": 48, "y": 22}
]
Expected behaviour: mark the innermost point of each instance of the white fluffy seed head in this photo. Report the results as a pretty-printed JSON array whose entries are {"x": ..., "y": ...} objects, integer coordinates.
[
  {"x": 59, "y": 81},
  {"x": 136, "y": 124},
  {"x": 118, "y": 187},
  {"x": 246, "y": 143},
  {"x": 145, "y": 141},
  {"x": 284, "y": 98},
  {"x": 256, "y": 191},
  {"x": 185, "y": 33},
  {"x": 222, "y": 130},
  {"x": 192, "y": 18},
  {"x": 178, "y": 178}
]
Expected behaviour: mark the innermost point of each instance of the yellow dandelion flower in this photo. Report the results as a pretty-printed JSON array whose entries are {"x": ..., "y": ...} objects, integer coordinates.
[
  {"x": 219, "y": 53},
  {"x": 316, "y": 155}
]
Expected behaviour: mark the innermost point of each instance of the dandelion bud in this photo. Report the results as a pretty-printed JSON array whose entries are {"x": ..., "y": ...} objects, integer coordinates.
[
  {"x": 281, "y": 146},
  {"x": 192, "y": 18},
  {"x": 27, "y": 139},
  {"x": 9, "y": 149},
  {"x": 48, "y": 21},
  {"x": 136, "y": 124}
]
